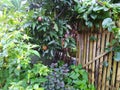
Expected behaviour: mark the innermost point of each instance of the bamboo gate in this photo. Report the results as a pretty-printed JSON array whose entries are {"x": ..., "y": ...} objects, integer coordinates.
[{"x": 92, "y": 55}]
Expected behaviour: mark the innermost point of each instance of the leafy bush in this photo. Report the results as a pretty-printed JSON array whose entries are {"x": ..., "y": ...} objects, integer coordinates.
[
  {"x": 63, "y": 77},
  {"x": 55, "y": 79},
  {"x": 47, "y": 28},
  {"x": 15, "y": 51},
  {"x": 78, "y": 78},
  {"x": 48, "y": 33},
  {"x": 57, "y": 21}
]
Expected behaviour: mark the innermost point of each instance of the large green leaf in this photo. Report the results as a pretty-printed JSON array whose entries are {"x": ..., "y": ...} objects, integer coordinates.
[
  {"x": 108, "y": 23},
  {"x": 117, "y": 56},
  {"x": 16, "y": 3},
  {"x": 35, "y": 52},
  {"x": 56, "y": 27}
]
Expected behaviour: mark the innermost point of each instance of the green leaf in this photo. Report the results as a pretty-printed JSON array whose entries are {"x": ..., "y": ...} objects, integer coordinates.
[
  {"x": 76, "y": 70},
  {"x": 108, "y": 23},
  {"x": 36, "y": 86},
  {"x": 77, "y": 82},
  {"x": 69, "y": 27},
  {"x": 93, "y": 16},
  {"x": 97, "y": 8},
  {"x": 117, "y": 56},
  {"x": 89, "y": 23},
  {"x": 85, "y": 77},
  {"x": 65, "y": 44},
  {"x": 16, "y": 3},
  {"x": 105, "y": 63},
  {"x": 5, "y": 53},
  {"x": 79, "y": 66},
  {"x": 40, "y": 89},
  {"x": 51, "y": 42},
  {"x": 41, "y": 80},
  {"x": 74, "y": 75},
  {"x": 35, "y": 52},
  {"x": 56, "y": 27},
  {"x": 106, "y": 9},
  {"x": 92, "y": 38},
  {"x": 85, "y": 17},
  {"x": 17, "y": 72},
  {"x": 33, "y": 25}
]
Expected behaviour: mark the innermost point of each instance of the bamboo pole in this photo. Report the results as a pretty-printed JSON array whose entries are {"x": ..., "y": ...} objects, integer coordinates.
[
  {"x": 79, "y": 62},
  {"x": 109, "y": 70},
  {"x": 93, "y": 64},
  {"x": 101, "y": 60},
  {"x": 109, "y": 66},
  {"x": 82, "y": 49},
  {"x": 78, "y": 49},
  {"x": 105, "y": 68},
  {"x": 118, "y": 77},
  {"x": 87, "y": 55},
  {"x": 114, "y": 73},
  {"x": 97, "y": 61},
  {"x": 111, "y": 87},
  {"x": 85, "y": 48},
  {"x": 90, "y": 58}
]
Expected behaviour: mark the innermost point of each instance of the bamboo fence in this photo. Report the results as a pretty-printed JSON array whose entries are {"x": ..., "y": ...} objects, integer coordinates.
[{"x": 103, "y": 71}]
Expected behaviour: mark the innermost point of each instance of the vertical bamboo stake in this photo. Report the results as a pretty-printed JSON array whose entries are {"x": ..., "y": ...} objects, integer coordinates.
[
  {"x": 118, "y": 77},
  {"x": 104, "y": 70},
  {"x": 85, "y": 48},
  {"x": 79, "y": 61},
  {"x": 113, "y": 74},
  {"x": 78, "y": 49},
  {"x": 109, "y": 65},
  {"x": 90, "y": 57},
  {"x": 101, "y": 60},
  {"x": 82, "y": 48},
  {"x": 97, "y": 61},
  {"x": 93, "y": 64},
  {"x": 87, "y": 55}
]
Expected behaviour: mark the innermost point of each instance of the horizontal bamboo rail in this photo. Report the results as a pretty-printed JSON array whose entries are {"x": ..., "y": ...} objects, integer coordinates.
[{"x": 96, "y": 58}]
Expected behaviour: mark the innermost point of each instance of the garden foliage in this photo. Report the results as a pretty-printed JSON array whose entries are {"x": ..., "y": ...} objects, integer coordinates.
[
  {"x": 63, "y": 77},
  {"x": 42, "y": 27},
  {"x": 16, "y": 71},
  {"x": 92, "y": 14},
  {"x": 58, "y": 21}
]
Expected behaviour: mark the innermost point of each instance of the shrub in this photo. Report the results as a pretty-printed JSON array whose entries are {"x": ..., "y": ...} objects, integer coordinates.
[
  {"x": 47, "y": 28},
  {"x": 78, "y": 78},
  {"x": 16, "y": 73},
  {"x": 63, "y": 77},
  {"x": 55, "y": 79}
]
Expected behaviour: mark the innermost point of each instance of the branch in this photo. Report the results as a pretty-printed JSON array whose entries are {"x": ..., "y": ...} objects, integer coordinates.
[{"x": 60, "y": 13}]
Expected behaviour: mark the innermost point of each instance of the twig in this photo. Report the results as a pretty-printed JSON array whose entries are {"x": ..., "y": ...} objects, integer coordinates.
[{"x": 60, "y": 13}]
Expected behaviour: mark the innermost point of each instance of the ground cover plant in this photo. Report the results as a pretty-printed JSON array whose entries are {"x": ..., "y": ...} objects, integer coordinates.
[{"x": 63, "y": 77}]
